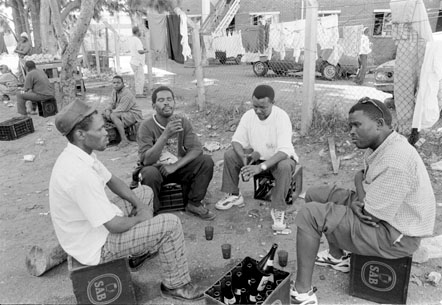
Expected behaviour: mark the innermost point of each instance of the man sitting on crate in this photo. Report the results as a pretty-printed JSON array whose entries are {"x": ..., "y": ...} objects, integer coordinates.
[
  {"x": 37, "y": 88},
  {"x": 264, "y": 133},
  {"x": 8, "y": 83},
  {"x": 95, "y": 230},
  {"x": 392, "y": 207},
  {"x": 123, "y": 110},
  {"x": 169, "y": 151}
]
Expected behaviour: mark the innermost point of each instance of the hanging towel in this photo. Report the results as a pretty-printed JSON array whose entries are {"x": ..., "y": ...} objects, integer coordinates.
[
  {"x": 187, "y": 53},
  {"x": 158, "y": 32},
  {"x": 175, "y": 48}
]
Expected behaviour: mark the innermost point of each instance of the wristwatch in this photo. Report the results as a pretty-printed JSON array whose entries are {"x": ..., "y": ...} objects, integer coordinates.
[{"x": 263, "y": 167}]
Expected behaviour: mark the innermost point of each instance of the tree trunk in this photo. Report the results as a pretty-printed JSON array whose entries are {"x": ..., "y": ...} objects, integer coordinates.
[
  {"x": 48, "y": 41},
  {"x": 34, "y": 7},
  {"x": 69, "y": 51},
  {"x": 19, "y": 25}
]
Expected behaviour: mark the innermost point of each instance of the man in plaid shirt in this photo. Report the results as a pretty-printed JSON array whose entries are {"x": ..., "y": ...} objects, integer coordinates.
[
  {"x": 391, "y": 209},
  {"x": 123, "y": 110}
]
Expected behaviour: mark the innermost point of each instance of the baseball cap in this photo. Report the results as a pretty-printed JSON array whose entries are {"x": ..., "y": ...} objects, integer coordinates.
[{"x": 73, "y": 114}]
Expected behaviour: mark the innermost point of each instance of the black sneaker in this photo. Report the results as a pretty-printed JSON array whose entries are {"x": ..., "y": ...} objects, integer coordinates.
[{"x": 200, "y": 211}]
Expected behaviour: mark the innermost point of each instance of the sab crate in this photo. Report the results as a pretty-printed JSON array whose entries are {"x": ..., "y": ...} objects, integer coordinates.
[
  {"x": 379, "y": 279},
  {"x": 15, "y": 128},
  {"x": 276, "y": 293},
  {"x": 171, "y": 198},
  {"x": 108, "y": 283}
]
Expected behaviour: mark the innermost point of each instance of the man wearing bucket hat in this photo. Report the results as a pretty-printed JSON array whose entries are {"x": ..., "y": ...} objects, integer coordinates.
[
  {"x": 24, "y": 47},
  {"x": 94, "y": 229}
]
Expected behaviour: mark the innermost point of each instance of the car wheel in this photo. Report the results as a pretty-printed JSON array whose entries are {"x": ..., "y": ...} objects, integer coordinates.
[
  {"x": 329, "y": 71},
  {"x": 260, "y": 68}
]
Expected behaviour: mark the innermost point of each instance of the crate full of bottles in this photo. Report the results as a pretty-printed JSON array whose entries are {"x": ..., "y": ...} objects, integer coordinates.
[{"x": 249, "y": 283}]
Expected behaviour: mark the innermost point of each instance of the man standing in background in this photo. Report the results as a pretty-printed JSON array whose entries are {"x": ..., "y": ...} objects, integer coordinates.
[
  {"x": 364, "y": 50},
  {"x": 137, "y": 61},
  {"x": 24, "y": 47}
]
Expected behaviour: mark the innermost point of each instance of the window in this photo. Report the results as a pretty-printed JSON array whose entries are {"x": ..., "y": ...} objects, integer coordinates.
[
  {"x": 382, "y": 23},
  {"x": 329, "y": 13},
  {"x": 264, "y": 17}
]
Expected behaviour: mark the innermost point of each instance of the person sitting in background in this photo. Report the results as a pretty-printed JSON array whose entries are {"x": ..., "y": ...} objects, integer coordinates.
[
  {"x": 37, "y": 88},
  {"x": 170, "y": 152},
  {"x": 265, "y": 130},
  {"x": 123, "y": 110},
  {"x": 392, "y": 208},
  {"x": 8, "y": 83},
  {"x": 95, "y": 230}
]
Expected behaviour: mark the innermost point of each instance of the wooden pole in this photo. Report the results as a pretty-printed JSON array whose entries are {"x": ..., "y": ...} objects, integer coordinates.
[
  {"x": 39, "y": 260},
  {"x": 309, "y": 65},
  {"x": 149, "y": 60},
  {"x": 196, "y": 46}
]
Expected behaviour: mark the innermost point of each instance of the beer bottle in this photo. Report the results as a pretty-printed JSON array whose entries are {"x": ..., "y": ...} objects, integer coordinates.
[
  {"x": 237, "y": 283},
  {"x": 265, "y": 268},
  {"x": 252, "y": 291},
  {"x": 228, "y": 296}
]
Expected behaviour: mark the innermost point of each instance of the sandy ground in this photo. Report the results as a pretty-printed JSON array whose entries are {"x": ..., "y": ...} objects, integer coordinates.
[{"x": 24, "y": 218}]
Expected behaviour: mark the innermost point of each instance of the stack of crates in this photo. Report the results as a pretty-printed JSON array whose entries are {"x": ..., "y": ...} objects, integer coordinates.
[{"x": 15, "y": 128}]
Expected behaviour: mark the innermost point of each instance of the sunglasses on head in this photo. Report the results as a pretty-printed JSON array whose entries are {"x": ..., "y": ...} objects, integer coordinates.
[{"x": 367, "y": 100}]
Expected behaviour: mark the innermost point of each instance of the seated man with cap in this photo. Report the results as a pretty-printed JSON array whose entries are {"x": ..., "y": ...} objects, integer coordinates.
[
  {"x": 265, "y": 134},
  {"x": 37, "y": 88},
  {"x": 93, "y": 229}
]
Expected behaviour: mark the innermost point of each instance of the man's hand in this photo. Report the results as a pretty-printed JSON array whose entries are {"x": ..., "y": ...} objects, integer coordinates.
[
  {"x": 142, "y": 214},
  {"x": 107, "y": 114},
  {"x": 358, "y": 209},
  {"x": 250, "y": 170},
  {"x": 359, "y": 176},
  {"x": 168, "y": 169},
  {"x": 173, "y": 127}
]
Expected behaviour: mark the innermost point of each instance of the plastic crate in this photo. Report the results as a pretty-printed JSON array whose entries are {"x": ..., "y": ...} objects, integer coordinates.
[
  {"x": 114, "y": 136},
  {"x": 47, "y": 108},
  {"x": 279, "y": 293},
  {"x": 15, "y": 128},
  {"x": 379, "y": 279},
  {"x": 171, "y": 198},
  {"x": 108, "y": 283}
]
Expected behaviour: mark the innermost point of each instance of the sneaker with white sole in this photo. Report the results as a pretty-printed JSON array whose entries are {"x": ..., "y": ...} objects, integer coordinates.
[
  {"x": 278, "y": 220},
  {"x": 229, "y": 201},
  {"x": 342, "y": 264},
  {"x": 308, "y": 298}
]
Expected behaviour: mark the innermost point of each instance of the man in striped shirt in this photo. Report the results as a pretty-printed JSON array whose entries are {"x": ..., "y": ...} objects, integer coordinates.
[{"x": 391, "y": 209}]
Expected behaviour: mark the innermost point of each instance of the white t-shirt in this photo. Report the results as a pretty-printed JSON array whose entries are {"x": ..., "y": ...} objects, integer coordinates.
[
  {"x": 79, "y": 205},
  {"x": 365, "y": 45},
  {"x": 135, "y": 45},
  {"x": 266, "y": 137}
]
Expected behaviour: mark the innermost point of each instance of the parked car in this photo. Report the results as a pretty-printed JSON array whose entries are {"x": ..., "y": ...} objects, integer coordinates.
[
  {"x": 347, "y": 65},
  {"x": 384, "y": 76}
]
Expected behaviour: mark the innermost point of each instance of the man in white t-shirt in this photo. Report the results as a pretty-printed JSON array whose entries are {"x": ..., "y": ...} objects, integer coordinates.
[
  {"x": 137, "y": 61},
  {"x": 264, "y": 133},
  {"x": 364, "y": 50},
  {"x": 93, "y": 229}
]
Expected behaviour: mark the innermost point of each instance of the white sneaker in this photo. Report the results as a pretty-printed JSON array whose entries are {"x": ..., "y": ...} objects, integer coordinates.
[
  {"x": 308, "y": 298},
  {"x": 278, "y": 220},
  {"x": 229, "y": 201},
  {"x": 342, "y": 264}
]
